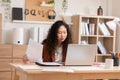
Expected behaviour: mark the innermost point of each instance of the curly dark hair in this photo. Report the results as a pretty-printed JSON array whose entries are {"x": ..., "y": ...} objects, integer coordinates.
[{"x": 52, "y": 39}]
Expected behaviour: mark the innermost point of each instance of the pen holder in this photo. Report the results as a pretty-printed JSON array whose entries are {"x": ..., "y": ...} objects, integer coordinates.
[
  {"x": 116, "y": 58},
  {"x": 116, "y": 61}
]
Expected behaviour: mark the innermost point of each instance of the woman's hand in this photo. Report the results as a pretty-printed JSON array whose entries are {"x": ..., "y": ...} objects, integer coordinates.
[{"x": 25, "y": 59}]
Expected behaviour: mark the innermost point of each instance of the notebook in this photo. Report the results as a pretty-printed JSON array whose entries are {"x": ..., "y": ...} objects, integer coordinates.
[
  {"x": 48, "y": 63},
  {"x": 80, "y": 55}
]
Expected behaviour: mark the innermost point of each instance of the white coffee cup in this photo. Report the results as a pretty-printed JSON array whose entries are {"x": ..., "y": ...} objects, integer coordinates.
[{"x": 108, "y": 63}]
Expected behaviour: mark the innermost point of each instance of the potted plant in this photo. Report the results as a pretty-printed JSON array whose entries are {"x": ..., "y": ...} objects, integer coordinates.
[
  {"x": 52, "y": 2},
  {"x": 64, "y": 5}
]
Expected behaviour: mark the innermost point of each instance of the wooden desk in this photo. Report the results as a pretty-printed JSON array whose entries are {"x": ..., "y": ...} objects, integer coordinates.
[{"x": 35, "y": 72}]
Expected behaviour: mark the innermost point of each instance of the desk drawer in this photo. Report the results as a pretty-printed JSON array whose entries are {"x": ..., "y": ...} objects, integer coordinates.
[
  {"x": 19, "y": 51},
  {"x": 5, "y": 75},
  {"x": 4, "y": 65},
  {"x": 17, "y": 60},
  {"x": 5, "y": 50}
]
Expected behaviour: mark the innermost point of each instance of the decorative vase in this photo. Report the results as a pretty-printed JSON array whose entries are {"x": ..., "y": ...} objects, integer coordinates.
[{"x": 100, "y": 11}]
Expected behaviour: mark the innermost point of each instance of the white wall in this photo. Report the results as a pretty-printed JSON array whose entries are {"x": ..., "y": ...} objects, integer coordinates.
[
  {"x": 116, "y": 12},
  {"x": 82, "y": 6},
  {"x": 115, "y": 8},
  {"x": 74, "y": 7}
]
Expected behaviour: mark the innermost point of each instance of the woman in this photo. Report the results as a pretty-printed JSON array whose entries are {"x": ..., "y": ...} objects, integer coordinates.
[{"x": 56, "y": 43}]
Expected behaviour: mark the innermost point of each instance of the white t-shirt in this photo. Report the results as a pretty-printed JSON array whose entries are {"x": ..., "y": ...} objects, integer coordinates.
[{"x": 58, "y": 54}]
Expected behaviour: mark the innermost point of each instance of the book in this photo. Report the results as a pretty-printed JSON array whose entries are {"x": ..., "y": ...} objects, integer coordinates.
[
  {"x": 82, "y": 28},
  {"x": 92, "y": 29},
  {"x": 104, "y": 29},
  {"x": 101, "y": 47},
  {"x": 81, "y": 31},
  {"x": 86, "y": 28},
  {"x": 84, "y": 42},
  {"x": 89, "y": 28}
]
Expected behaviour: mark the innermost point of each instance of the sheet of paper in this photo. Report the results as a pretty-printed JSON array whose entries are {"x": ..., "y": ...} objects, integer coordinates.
[{"x": 34, "y": 51}]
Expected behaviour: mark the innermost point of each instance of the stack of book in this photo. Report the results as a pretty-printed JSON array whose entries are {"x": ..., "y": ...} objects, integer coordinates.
[{"x": 87, "y": 28}]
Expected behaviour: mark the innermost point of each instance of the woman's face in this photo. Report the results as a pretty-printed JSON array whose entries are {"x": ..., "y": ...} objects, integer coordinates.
[{"x": 62, "y": 33}]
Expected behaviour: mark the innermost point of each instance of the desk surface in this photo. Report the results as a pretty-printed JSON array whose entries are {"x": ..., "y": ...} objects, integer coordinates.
[{"x": 65, "y": 72}]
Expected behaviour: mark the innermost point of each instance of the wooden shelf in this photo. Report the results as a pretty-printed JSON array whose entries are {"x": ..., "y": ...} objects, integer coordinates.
[
  {"x": 106, "y": 36},
  {"x": 35, "y": 22},
  {"x": 0, "y": 28},
  {"x": 103, "y": 54},
  {"x": 89, "y": 35},
  {"x": 95, "y": 16}
]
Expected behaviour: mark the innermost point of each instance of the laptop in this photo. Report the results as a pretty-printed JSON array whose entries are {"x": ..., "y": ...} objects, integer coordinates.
[{"x": 80, "y": 55}]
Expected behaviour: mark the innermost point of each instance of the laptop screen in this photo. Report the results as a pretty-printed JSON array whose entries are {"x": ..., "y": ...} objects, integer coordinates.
[{"x": 80, "y": 54}]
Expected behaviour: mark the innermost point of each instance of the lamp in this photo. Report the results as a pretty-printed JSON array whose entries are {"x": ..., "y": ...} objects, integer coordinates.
[{"x": 112, "y": 24}]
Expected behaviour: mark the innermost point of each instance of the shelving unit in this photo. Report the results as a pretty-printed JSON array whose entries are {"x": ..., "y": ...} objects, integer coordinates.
[
  {"x": 118, "y": 37},
  {"x": 81, "y": 37},
  {"x": 0, "y": 27}
]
